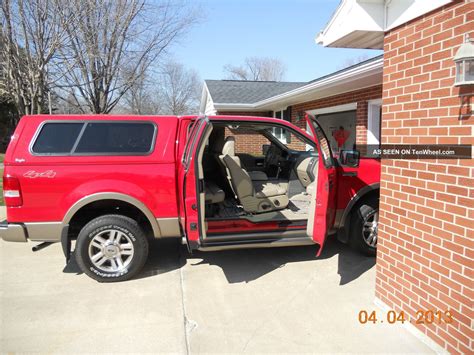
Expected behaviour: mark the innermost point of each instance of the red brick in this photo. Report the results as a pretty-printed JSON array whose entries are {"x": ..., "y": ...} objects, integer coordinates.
[{"x": 437, "y": 193}]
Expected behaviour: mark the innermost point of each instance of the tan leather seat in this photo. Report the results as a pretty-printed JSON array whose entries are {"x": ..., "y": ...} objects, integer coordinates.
[
  {"x": 213, "y": 193},
  {"x": 267, "y": 189},
  {"x": 258, "y": 198}
]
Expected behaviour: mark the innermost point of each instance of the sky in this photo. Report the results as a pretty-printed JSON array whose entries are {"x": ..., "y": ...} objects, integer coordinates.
[{"x": 232, "y": 30}]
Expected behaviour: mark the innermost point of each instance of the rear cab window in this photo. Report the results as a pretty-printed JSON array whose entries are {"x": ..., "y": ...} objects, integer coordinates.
[{"x": 95, "y": 138}]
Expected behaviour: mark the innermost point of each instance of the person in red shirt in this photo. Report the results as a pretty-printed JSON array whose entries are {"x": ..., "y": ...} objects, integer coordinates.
[{"x": 341, "y": 135}]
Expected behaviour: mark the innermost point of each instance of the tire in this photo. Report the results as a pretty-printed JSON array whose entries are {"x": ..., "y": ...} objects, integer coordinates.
[
  {"x": 364, "y": 226},
  {"x": 111, "y": 248}
]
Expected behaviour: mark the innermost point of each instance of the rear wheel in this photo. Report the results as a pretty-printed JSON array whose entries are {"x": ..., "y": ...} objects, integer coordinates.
[
  {"x": 111, "y": 248},
  {"x": 364, "y": 226}
]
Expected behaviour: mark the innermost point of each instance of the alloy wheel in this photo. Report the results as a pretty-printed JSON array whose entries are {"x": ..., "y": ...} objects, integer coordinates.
[
  {"x": 111, "y": 250},
  {"x": 370, "y": 229}
]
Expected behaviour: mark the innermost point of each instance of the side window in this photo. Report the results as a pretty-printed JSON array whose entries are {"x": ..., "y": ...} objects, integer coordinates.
[
  {"x": 292, "y": 141},
  {"x": 116, "y": 137},
  {"x": 325, "y": 148},
  {"x": 95, "y": 138},
  {"x": 57, "y": 138},
  {"x": 191, "y": 139}
]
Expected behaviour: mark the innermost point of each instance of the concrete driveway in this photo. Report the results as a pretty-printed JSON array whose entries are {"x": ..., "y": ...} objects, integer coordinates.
[{"x": 267, "y": 300}]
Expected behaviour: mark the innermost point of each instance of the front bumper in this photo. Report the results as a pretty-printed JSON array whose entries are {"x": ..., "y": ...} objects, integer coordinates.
[{"x": 11, "y": 232}]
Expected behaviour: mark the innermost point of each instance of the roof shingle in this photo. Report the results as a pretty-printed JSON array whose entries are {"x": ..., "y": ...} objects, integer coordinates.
[{"x": 247, "y": 92}]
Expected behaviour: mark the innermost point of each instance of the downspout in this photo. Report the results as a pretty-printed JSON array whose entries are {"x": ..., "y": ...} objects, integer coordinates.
[{"x": 385, "y": 14}]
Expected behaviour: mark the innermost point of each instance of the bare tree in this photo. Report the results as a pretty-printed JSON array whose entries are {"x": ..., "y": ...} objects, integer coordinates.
[
  {"x": 180, "y": 89},
  {"x": 143, "y": 98},
  {"x": 257, "y": 69},
  {"x": 113, "y": 43},
  {"x": 31, "y": 35},
  {"x": 353, "y": 60}
]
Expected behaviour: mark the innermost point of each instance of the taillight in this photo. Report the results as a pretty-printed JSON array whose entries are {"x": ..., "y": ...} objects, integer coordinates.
[{"x": 12, "y": 191}]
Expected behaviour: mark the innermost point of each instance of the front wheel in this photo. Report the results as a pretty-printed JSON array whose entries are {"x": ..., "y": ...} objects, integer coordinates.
[
  {"x": 111, "y": 248},
  {"x": 364, "y": 226}
]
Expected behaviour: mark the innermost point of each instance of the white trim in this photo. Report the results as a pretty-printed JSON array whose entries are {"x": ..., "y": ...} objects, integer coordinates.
[
  {"x": 339, "y": 108},
  {"x": 206, "y": 106},
  {"x": 204, "y": 96},
  {"x": 375, "y": 102},
  {"x": 413, "y": 330},
  {"x": 373, "y": 121},
  {"x": 235, "y": 106},
  {"x": 362, "y": 23},
  {"x": 351, "y": 74},
  {"x": 320, "y": 35}
]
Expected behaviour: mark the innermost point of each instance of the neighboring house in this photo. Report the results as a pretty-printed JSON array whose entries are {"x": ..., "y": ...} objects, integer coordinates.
[
  {"x": 426, "y": 229},
  {"x": 350, "y": 97}
]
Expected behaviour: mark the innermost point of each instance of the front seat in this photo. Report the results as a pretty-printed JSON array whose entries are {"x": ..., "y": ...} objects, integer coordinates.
[
  {"x": 227, "y": 147},
  {"x": 258, "y": 198}
]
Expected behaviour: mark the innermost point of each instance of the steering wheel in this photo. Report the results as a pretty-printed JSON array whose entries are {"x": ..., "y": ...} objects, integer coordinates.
[{"x": 272, "y": 157}]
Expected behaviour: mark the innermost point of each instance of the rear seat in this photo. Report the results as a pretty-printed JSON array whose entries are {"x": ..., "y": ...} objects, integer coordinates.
[{"x": 213, "y": 193}]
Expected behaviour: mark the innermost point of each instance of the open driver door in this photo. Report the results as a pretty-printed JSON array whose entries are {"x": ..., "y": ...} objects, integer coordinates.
[
  {"x": 323, "y": 203},
  {"x": 191, "y": 183}
]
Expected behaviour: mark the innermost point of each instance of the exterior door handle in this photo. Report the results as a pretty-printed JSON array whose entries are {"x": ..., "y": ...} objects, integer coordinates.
[{"x": 350, "y": 173}]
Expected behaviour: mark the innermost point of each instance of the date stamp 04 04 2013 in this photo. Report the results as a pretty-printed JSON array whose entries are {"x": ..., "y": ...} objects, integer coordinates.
[{"x": 392, "y": 317}]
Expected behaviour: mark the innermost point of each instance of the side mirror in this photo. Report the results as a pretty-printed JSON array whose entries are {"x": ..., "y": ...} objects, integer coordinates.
[{"x": 349, "y": 158}]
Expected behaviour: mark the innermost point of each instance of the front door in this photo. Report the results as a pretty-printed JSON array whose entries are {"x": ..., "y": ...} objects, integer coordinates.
[
  {"x": 192, "y": 183},
  {"x": 325, "y": 194}
]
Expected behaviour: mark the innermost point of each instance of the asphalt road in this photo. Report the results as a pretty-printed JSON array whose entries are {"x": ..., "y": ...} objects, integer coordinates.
[{"x": 268, "y": 300}]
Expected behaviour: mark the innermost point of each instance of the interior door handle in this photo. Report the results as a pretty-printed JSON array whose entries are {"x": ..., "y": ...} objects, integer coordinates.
[{"x": 350, "y": 173}]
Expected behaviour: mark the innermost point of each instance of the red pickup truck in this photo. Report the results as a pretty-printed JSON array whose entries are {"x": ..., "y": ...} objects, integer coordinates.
[{"x": 109, "y": 184}]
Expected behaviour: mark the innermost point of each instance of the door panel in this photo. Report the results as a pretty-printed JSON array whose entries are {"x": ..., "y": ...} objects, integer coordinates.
[
  {"x": 324, "y": 198},
  {"x": 192, "y": 183}
]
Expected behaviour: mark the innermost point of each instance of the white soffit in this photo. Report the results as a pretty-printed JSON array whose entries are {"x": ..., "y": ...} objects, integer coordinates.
[{"x": 362, "y": 23}]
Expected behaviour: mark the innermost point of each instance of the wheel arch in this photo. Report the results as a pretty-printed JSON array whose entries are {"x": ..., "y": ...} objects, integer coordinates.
[
  {"x": 363, "y": 194},
  {"x": 103, "y": 196}
]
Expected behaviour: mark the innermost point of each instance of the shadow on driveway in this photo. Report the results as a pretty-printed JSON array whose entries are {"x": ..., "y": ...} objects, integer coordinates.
[{"x": 248, "y": 264}]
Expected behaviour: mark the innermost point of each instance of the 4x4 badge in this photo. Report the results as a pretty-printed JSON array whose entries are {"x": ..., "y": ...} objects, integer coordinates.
[{"x": 35, "y": 174}]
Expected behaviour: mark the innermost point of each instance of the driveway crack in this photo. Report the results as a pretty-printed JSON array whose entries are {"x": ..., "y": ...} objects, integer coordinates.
[{"x": 188, "y": 324}]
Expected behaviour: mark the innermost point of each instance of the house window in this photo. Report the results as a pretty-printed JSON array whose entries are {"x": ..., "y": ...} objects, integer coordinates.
[
  {"x": 373, "y": 122},
  {"x": 280, "y": 133}
]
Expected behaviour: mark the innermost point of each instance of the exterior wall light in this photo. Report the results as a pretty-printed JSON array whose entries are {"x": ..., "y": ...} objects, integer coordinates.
[{"x": 464, "y": 60}]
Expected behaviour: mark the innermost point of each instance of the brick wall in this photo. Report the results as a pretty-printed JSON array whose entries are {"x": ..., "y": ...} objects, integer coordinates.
[
  {"x": 426, "y": 237},
  {"x": 248, "y": 143}
]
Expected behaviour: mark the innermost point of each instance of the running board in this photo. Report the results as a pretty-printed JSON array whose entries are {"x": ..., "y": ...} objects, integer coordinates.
[
  {"x": 255, "y": 236},
  {"x": 250, "y": 244}
]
